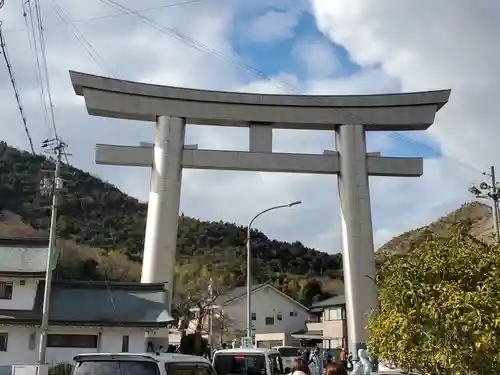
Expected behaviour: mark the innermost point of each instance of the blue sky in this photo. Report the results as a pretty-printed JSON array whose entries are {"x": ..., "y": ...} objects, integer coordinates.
[{"x": 327, "y": 46}]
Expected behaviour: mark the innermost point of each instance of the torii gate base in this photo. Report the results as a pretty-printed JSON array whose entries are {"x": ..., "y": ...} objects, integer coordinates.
[{"x": 349, "y": 116}]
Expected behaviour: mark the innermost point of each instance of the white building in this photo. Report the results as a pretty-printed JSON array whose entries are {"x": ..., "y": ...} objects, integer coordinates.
[
  {"x": 84, "y": 316},
  {"x": 272, "y": 311}
]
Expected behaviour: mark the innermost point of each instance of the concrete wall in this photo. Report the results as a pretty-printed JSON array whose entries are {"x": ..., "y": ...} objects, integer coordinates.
[
  {"x": 23, "y": 296},
  {"x": 267, "y": 302},
  {"x": 22, "y": 349}
]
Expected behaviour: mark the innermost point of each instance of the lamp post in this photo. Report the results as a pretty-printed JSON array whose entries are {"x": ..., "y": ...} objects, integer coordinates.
[{"x": 249, "y": 263}]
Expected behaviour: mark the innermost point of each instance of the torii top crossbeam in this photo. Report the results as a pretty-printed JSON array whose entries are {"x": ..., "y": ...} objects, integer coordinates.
[{"x": 109, "y": 97}]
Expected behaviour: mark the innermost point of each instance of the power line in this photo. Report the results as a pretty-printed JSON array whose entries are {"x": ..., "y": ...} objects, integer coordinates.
[
  {"x": 34, "y": 54},
  {"x": 45, "y": 66},
  {"x": 81, "y": 38},
  {"x": 14, "y": 86},
  {"x": 115, "y": 15},
  {"x": 183, "y": 38}
]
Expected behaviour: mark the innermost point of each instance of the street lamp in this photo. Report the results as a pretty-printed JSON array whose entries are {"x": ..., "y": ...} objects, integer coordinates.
[{"x": 249, "y": 262}]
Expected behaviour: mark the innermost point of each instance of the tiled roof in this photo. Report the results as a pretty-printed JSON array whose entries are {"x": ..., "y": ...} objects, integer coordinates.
[
  {"x": 234, "y": 293},
  {"x": 332, "y": 301},
  {"x": 23, "y": 257},
  {"x": 98, "y": 303}
]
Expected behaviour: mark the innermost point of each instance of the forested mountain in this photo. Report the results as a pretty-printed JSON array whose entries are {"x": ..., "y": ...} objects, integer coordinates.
[{"x": 104, "y": 233}]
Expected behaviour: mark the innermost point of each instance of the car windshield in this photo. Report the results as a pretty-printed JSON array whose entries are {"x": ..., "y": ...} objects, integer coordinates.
[
  {"x": 288, "y": 352},
  {"x": 116, "y": 368},
  {"x": 240, "y": 364},
  {"x": 179, "y": 368}
]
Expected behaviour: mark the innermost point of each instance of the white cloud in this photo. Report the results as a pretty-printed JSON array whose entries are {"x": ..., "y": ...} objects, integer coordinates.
[
  {"x": 410, "y": 46},
  {"x": 274, "y": 25},
  {"x": 318, "y": 57}
]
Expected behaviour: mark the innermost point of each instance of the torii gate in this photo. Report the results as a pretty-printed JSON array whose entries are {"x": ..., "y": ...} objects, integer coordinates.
[{"x": 171, "y": 108}]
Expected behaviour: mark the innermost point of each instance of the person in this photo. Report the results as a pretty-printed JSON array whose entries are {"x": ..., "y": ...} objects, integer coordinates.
[
  {"x": 343, "y": 357},
  {"x": 329, "y": 356},
  {"x": 335, "y": 368},
  {"x": 300, "y": 367},
  {"x": 350, "y": 364},
  {"x": 317, "y": 362},
  {"x": 306, "y": 355}
]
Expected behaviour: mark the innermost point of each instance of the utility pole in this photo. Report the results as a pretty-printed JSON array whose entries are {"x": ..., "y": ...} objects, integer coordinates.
[
  {"x": 50, "y": 187},
  {"x": 210, "y": 316},
  {"x": 491, "y": 191}
]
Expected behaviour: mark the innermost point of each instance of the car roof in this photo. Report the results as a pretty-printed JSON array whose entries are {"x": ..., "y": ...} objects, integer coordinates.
[
  {"x": 157, "y": 357},
  {"x": 248, "y": 350}
]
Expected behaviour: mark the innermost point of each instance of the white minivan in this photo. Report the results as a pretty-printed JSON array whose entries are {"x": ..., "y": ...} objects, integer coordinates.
[
  {"x": 141, "y": 364},
  {"x": 248, "y": 361}
]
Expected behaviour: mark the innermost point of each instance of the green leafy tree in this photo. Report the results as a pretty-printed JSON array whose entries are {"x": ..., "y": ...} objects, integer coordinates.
[{"x": 439, "y": 307}]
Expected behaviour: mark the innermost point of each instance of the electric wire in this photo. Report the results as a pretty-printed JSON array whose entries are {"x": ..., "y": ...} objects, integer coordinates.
[
  {"x": 259, "y": 74},
  {"x": 34, "y": 55},
  {"x": 3, "y": 48},
  {"x": 45, "y": 67},
  {"x": 107, "y": 16},
  {"x": 81, "y": 38}
]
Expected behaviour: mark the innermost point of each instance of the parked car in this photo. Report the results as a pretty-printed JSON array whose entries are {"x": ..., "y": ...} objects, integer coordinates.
[
  {"x": 248, "y": 361},
  {"x": 141, "y": 364}
]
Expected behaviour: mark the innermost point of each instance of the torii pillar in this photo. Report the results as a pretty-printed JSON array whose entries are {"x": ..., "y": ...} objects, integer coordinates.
[{"x": 349, "y": 116}]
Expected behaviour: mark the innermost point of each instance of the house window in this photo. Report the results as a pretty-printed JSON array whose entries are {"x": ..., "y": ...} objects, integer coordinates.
[
  {"x": 125, "y": 342},
  {"x": 279, "y": 317},
  {"x": 334, "y": 314},
  {"x": 269, "y": 320},
  {"x": 254, "y": 316},
  {"x": 293, "y": 313},
  {"x": 72, "y": 341},
  {"x": 4, "y": 338},
  {"x": 5, "y": 290}
]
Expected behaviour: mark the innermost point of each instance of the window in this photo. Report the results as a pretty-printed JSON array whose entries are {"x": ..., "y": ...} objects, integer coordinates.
[
  {"x": 72, "y": 341},
  {"x": 4, "y": 338},
  {"x": 334, "y": 314},
  {"x": 293, "y": 313},
  {"x": 5, "y": 290},
  {"x": 240, "y": 364},
  {"x": 188, "y": 369},
  {"x": 288, "y": 351},
  {"x": 332, "y": 344},
  {"x": 276, "y": 365},
  {"x": 125, "y": 343},
  {"x": 254, "y": 316},
  {"x": 116, "y": 367},
  {"x": 269, "y": 320},
  {"x": 279, "y": 317}
]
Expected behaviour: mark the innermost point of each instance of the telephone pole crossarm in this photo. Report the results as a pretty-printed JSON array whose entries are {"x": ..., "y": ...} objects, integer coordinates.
[{"x": 490, "y": 191}]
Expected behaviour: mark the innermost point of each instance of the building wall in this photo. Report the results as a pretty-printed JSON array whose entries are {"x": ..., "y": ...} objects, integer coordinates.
[
  {"x": 333, "y": 327},
  {"x": 22, "y": 347},
  {"x": 23, "y": 296},
  {"x": 268, "y": 303}
]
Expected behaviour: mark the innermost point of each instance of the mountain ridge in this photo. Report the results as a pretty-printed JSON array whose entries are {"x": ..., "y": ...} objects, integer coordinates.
[{"x": 103, "y": 230}]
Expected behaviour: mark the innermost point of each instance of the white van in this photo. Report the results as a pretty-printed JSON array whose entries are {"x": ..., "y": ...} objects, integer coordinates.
[
  {"x": 141, "y": 364},
  {"x": 248, "y": 361}
]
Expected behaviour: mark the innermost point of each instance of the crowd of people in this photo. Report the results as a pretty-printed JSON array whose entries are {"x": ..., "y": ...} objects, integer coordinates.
[
  {"x": 301, "y": 367},
  {"x": 317, "y": 360}
]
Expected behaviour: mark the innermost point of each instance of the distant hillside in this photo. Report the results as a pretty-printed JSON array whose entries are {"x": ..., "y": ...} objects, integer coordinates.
[
  {"x": 104, "y": 232},
  {"x": 475, "y": 215}
]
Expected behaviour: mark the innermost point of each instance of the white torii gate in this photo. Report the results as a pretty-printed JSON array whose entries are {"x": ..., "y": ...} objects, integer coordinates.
[{"x": 171, "y": 108}]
